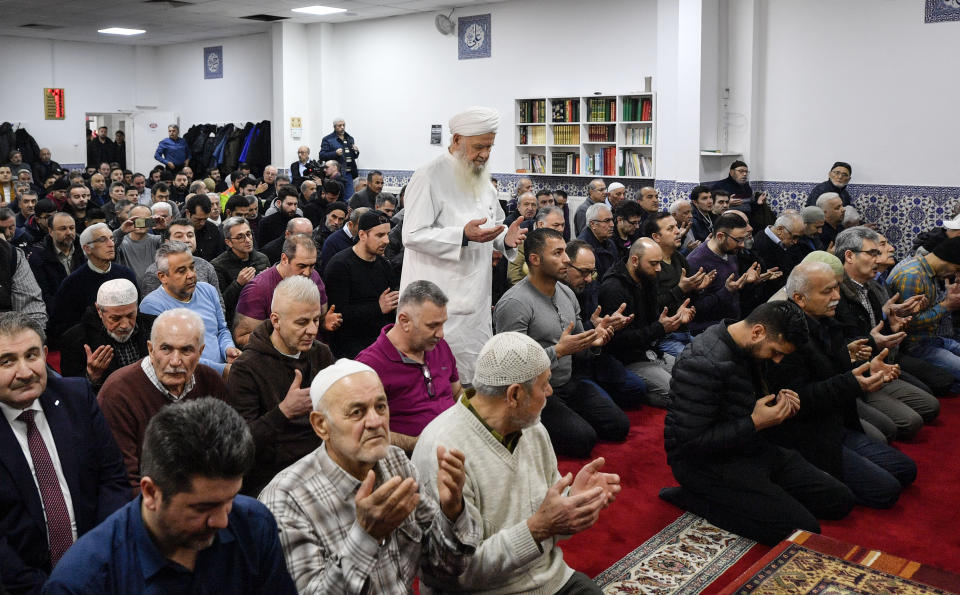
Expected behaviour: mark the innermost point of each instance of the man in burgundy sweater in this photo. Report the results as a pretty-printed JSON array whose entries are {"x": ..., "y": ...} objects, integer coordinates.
[{"x": 169, "y": 374}]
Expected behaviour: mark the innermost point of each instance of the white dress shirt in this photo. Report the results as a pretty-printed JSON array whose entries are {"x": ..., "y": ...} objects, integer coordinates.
[{"x": 20, "y": 431}]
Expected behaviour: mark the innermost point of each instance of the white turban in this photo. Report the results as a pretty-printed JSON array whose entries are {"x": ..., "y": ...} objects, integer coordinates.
[
  {"x": 475, "y": 121},
  {"x": 328, "y": 376},
  {"x": 117, "y": 292},
  {"x": 510, "y": 358}
]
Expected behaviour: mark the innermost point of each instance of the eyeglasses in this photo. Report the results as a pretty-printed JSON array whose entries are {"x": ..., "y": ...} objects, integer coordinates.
[
  {"x": 585, "y": 272},
  {"x": 873, "y": 253},
  {"x": 604, "y": 221},
  {"x": 738, "y": 240},
  {"x": 429, "y": 380},
  {"x": 242, "y": 236},
  {"x": 742, "y": 170},
  {"x": 840, "y": 174}
]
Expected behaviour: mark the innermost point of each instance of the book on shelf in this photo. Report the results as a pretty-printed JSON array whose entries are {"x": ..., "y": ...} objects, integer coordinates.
[
  {"x": 602, "y": 162},
  {"x": 638, "y": 135},
  {"x": 566, "y": 110},
  {"x": 532, "y": 110},
  {"x": 637, "y": 108},
  {"x": 602, "y": 109},
  {"x": 532, "y": 135},
  {"x": 565, "y": 163},
  {"x": 568, "y": 134},
  {"x": 635, "y": 164},
  {"x": 601, "y": 133},
  {"x": 646, "y": 109}
]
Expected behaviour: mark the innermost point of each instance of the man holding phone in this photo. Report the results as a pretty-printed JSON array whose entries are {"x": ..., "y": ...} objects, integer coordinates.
[{"x": 136, "y": 246}]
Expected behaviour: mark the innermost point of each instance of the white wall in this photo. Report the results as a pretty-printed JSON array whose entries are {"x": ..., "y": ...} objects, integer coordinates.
[
  {"x": 104, "y": 78},
  {"x": 95, "y": 78},
  {"x": 243, "y": 94},
  {"x": 395, "y": 77},
  {"x": 864, "y": 81}
]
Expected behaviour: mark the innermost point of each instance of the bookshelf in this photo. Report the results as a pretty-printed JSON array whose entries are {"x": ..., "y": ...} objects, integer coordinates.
[{"x": 611, "y": 136}]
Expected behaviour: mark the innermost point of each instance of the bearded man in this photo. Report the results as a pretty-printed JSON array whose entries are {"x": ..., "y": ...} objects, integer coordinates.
[{"x": 452, "y": 225}]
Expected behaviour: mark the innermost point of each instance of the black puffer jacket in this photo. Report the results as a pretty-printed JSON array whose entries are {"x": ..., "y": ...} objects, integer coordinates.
[
  {"x": 631, "y": 343},
  {"x": 819, "y": 372},
  {"x": 714, "y": 388}
]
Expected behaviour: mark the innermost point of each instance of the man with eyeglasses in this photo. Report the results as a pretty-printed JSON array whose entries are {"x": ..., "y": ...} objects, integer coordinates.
[
  {"x": 775, "y": 246},
  {"x": 596, "y": 193},
  {"x": 238, "y": 265},
  {"x": 599, "y": 234},
  {"x": 79, "y": 290},
  {"x": 628, "y": 215},
  {"x": 414, "y": 363},
  {"x": 721, "y": 299},
  {"x": 741, "y": 194},
  {"x": 837, "y": 181},
  {"x": 269, "y": 384}
]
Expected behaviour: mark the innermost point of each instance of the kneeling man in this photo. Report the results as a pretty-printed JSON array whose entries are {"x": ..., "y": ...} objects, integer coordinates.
[
  {"x": 351, "y": 514},
  {"x": 512, "y": 484}
]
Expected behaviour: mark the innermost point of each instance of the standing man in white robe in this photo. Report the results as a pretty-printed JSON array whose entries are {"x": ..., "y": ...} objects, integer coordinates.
[{"x": 452, "y": 224}]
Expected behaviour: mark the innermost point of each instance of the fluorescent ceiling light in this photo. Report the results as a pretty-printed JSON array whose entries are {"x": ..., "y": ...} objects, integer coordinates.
[
  {"x": 121, "y": 31},
  {"x": 319, "y": 10}
]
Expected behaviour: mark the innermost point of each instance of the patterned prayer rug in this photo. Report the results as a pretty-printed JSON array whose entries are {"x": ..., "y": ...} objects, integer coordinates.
[
  {"x": 684, "y": 557},
  {"x": 809, "y": 563}
]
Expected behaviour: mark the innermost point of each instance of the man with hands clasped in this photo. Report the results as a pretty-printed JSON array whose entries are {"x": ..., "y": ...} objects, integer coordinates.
[
  {"x": 730, "y": 473},
  {"x": 511, "y": 483},
  {"x": 351, "y": 514},
  {"x": 829, "y": 433}
]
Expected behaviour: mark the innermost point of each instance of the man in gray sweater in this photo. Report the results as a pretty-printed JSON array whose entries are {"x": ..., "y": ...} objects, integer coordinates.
[
  {"x": 512, "y": 487},
  {"x": 547, "y": 311}
]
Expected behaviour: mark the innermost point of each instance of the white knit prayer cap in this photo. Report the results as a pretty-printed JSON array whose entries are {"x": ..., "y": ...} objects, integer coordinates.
[
  {"x": 329, "y": 376},
  {"x": 510, "y": 358},
  {"x": 475, "y": 121},
  {"x": 615, "y": 186},
  {"x": 117, "y": 292}
]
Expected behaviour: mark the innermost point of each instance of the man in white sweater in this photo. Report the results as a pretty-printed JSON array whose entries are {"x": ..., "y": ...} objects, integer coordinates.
[{"x": 512, "y": 484}]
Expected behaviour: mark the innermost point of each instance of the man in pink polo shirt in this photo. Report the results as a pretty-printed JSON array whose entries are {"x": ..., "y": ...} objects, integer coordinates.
[{"x": 415, "y": 365}]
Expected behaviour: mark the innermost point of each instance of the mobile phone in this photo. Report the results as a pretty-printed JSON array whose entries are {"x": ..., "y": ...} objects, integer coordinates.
[{"x": 144, "y": 222}]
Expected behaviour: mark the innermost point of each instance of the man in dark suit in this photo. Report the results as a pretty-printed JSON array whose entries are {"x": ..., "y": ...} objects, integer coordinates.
[{"x": 61, "y": 473}]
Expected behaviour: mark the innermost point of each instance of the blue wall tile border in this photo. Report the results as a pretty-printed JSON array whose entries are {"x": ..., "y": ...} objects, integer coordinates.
[{"x": 901, "y": 212}]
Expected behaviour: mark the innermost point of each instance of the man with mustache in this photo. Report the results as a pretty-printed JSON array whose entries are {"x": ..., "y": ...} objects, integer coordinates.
[
  {"x": 189, "y": 532},
  {"x": 112, "y": 334},
  {"x": 171, "y": 373},
  {"x": 415, "y": 364},
  {"x": 352, "y": 515},
  {"x": 60, "y": 470},
  {"x": 452, "y": 225},
  {"x": 179, "y": 288}
]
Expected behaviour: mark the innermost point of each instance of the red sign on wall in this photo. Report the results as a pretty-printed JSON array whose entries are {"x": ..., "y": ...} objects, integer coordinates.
[{"x": 53, "y": 106}]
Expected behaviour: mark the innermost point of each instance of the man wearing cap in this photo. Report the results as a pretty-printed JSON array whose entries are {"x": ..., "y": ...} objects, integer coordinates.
[
  {"x": 512, "y": 485},
  {"x": 837, "y": 181},
  {"x": 363, "y": 286},
  {"x": 616, "y": 194},
  {"x": 340, "y": 240},
  {"x": 452, "y": 225},
  {"x": 334, "y": 216},
  {"x": 352, "y": 515},
  {"x": 111, "y": 334},
  {"x": 926, "y": 241}
]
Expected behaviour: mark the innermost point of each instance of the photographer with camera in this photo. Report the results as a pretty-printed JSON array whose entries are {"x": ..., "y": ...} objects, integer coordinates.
[
  {"x": 136, "y": 246},
  {"x": 305, "y": 168},
  {"x": 339, "y": 146}
]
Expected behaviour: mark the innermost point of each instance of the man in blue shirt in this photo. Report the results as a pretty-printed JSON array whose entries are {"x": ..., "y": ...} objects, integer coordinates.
[
  {"x": 189, "y": 531},
  {"x": 179, "y": 288},
  {"x": 173, "y": 152}
]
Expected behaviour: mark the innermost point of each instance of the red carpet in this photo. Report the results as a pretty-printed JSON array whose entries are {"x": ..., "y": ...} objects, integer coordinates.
[{"x": 923, "y": 526}]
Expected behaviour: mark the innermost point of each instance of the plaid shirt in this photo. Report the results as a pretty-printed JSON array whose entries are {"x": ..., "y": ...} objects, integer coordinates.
[
  {"x": 914, "y": 276},
  {"x": 328, "y": 552}
]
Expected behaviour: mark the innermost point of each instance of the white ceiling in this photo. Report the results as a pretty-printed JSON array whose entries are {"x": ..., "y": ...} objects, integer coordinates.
[{"x": 200, "y": 20}]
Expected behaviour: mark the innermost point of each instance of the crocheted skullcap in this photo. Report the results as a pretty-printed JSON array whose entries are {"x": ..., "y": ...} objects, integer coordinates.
[{"x": 510, "y": 358}]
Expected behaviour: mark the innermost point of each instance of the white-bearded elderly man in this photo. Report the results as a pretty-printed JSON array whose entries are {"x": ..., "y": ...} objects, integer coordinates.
[{"x": 452, "y": 225}]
